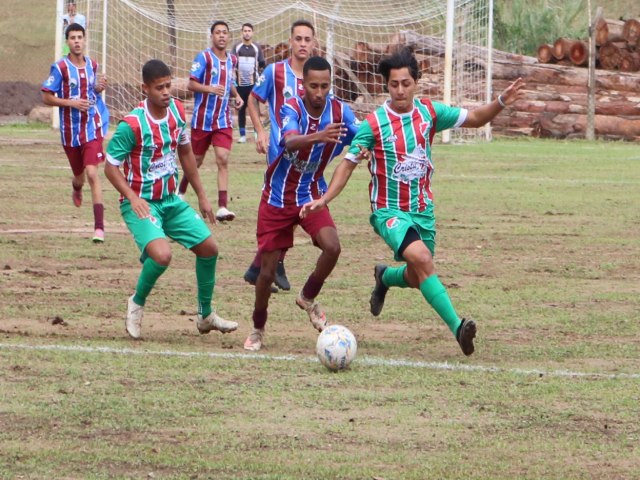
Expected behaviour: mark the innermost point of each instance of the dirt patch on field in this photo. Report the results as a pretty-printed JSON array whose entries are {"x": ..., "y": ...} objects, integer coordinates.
[{"x": 18, "y": 98}]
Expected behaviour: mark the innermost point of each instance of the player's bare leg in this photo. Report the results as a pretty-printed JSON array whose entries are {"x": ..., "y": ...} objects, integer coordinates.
[
  {"x": 93, "y": 178},
  {"x": 222, "y": 161}
]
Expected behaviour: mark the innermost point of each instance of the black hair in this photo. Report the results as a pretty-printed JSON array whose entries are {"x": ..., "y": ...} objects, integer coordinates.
[
  {"x": 218, "y": 22},
  {"x": 402, "y": 58},
  {"x": 154, "y": 69},
  {"x": 303, "y": 23},
  {"x": 74, "y": 27},
  {"x": 247, "y": 25},
  {"x": 315, "y": 63}
]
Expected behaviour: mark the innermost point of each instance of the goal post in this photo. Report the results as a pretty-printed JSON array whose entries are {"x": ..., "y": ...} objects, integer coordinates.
[{"x": 352, "y": 34}]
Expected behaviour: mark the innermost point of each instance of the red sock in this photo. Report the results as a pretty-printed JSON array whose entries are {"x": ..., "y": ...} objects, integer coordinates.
[
  {"x": 312, "y": 288},
  {"x": 98, "y": 216},
  {"x": 222, "y": 198},
  {"x": 184, "y": 183},
  {"x": 282, "y": 254},
  {"x": 259, "y": 318}
]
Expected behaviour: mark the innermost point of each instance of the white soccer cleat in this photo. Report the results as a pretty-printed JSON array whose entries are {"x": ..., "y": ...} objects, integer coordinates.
[
  {"x": 316, "y": 316},
  {"x": 224, "y": 215},
  {"x": 253, "y": 342},
  {"x": 214, "y": 322},
  {"x": 242, "y": 139},
  {"x": 133, "y": 323}
]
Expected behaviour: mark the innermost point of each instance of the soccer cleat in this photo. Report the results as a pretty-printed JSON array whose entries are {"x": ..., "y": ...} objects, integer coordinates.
[
  {"x": 465, "y": 335},
  {"x": 214, "y": 322},
  {"x": 133, "y": 323},
  {"x": 76, "y": 195},
  {"x": 224, "y": 215},
  {"x": 98, "y": 236},
  {"x": 242, "y": 139},
  {"x": 281, "y": 279},
  {"x": 254, "y": 340},
  {"x": 251, "y": 277},
  {"x": 316, "y": 316},
  {"x": 379, "y": 291}
]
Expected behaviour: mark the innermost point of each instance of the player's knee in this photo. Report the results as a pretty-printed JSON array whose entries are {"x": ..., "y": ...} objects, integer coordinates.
[
  {"x": 162, "y": 257},
  {"x": 333, "y": 249}
]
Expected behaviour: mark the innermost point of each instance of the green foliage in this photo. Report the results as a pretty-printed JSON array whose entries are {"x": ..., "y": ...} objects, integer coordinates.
[{"x": 522, "y": 25}]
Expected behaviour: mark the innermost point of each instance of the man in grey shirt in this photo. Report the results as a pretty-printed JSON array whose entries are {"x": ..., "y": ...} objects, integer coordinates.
[{"x": 250, "y": 64}]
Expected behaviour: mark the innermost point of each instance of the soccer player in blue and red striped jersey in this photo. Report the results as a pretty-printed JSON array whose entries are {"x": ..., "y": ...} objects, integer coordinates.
[
  {"x": 211, "y": 80},
  {"x": 315, "y": 129},
  {"x": 396, "y": 138},
  {"x": 74, "y": 85},
  {"x": 279, "y": 82}
]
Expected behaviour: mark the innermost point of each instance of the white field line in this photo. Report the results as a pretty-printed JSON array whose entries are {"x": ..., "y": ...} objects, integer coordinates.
[{"x": 384, "y": 362}]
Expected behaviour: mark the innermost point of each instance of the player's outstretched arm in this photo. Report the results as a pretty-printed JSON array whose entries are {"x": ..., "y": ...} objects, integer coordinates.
[
  {"x": 339, "y": 180},
  {"x": 190, "y": 169},
  {"x": 484, "y": 114}
]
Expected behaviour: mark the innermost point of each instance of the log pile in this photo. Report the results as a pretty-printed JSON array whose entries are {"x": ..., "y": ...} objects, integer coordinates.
[{"x": 617, "y": 47}]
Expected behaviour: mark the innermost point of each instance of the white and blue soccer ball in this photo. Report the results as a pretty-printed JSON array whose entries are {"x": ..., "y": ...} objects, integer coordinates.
[{"x": 336, "y": 347}]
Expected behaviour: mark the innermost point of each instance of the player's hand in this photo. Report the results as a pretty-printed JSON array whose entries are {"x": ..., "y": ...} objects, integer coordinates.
[
  {"x": 101, "y": 83},
  {"x": 364, "y": 154},
  {"x": 206, "y": 210},
  {"x": 513, "y": 92},
  {"x": 140, "y": 207},
  {"x": 239, "y": 102},
  {"x": 311, "y": 207},
  {"x": 81, "y": 104},
  {"x": 334, "y": 133},
  {"x": 262, "y": 142},
  {"x": 217, "y": 90}
]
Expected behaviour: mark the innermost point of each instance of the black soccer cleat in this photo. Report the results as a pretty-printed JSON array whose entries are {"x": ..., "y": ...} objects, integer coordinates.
[
  {"x": 379, "y": 291},
  {"x": 281, "y": 277},
  {"x": 251, "y": 277},
  {"x": 465, "y": 335}
]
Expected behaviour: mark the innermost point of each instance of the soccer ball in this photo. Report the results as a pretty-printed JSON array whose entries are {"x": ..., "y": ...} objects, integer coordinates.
[{"x": 336, "y": 347}]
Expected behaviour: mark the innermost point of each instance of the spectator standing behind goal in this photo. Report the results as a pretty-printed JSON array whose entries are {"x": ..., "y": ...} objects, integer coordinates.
[
  {"x": 315, "y": 129},
  {"x": 212, "y": 82},
  {"x": 250, "y": 65},
  {"x": 279, "y": 82},
  {"x": 72, "y": 16},
  {"x": 396, "y": 138},
  {"x": 74, "y": 86},
  {"x": 147, "y": 142}
]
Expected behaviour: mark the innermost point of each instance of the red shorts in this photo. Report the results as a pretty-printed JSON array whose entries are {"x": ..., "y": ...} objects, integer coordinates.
[
  {"x": 89, "y": 153},
  {"x": 276, "y": 225},
  {"x": 200, "y": 139}
]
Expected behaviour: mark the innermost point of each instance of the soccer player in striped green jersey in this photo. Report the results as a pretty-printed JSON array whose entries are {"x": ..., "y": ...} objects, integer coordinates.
[
  {"x": 396, "y": 140},
  {"x": 147, "y": 143}
]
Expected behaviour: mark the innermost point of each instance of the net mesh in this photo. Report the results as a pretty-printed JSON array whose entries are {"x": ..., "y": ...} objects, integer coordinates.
[{"x": 354, "y": 35}]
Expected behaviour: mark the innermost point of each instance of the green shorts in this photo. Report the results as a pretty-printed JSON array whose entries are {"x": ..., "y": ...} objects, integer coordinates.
[
  {"x": 170, "y": 217},
  {"x": 392, "y": 225}
]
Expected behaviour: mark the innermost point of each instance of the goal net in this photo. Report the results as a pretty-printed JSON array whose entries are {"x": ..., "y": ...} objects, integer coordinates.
[{"x": 352, "y": 34}]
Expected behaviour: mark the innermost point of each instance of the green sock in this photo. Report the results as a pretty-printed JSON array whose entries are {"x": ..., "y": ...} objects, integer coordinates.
[
  {"x": 394, "y": 277},
  {"x": 434, "y": 292},
  {"x": 151, "y": 271},
  {"x": 206, "y": 276}
]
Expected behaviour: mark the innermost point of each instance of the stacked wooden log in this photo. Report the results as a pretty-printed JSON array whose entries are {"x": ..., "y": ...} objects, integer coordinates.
[{"x": 617, "y": 47}]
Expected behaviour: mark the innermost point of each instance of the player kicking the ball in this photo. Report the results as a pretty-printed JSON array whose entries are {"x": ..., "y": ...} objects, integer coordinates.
[
  {"x": 146, "y": 142},
  {"x": 315, "y": 129},
  {"x": 396, "y": 139}
]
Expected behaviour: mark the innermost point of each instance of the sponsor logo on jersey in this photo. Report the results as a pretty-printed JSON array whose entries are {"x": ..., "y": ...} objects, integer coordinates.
[
  {"x": 392, "y": 138},
  {"x": 411, "y": 166},
  {"x": 195, "y": 66},
  {"x": 287, "y": 92},
  {"x": 50, "y": 80},
  {"x": 214, "y": 72},
  {"x": 285, "y": 120},
  {"x": 261, "y": 79},
  {"x": 392, "y": 223},
  {"x": 73, "y": 83}
]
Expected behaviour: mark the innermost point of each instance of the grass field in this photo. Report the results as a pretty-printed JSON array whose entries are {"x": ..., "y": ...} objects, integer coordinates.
[{"x": 538, "y": 241}]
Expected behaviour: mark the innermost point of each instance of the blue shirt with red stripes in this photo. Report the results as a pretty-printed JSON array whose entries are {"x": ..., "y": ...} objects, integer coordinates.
[
  {"x": 297, "y": 177},
  {"x": 212, "y": 112},
  {"x": 276, "y": 85},
  {"x": 69, "y": 81}
]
